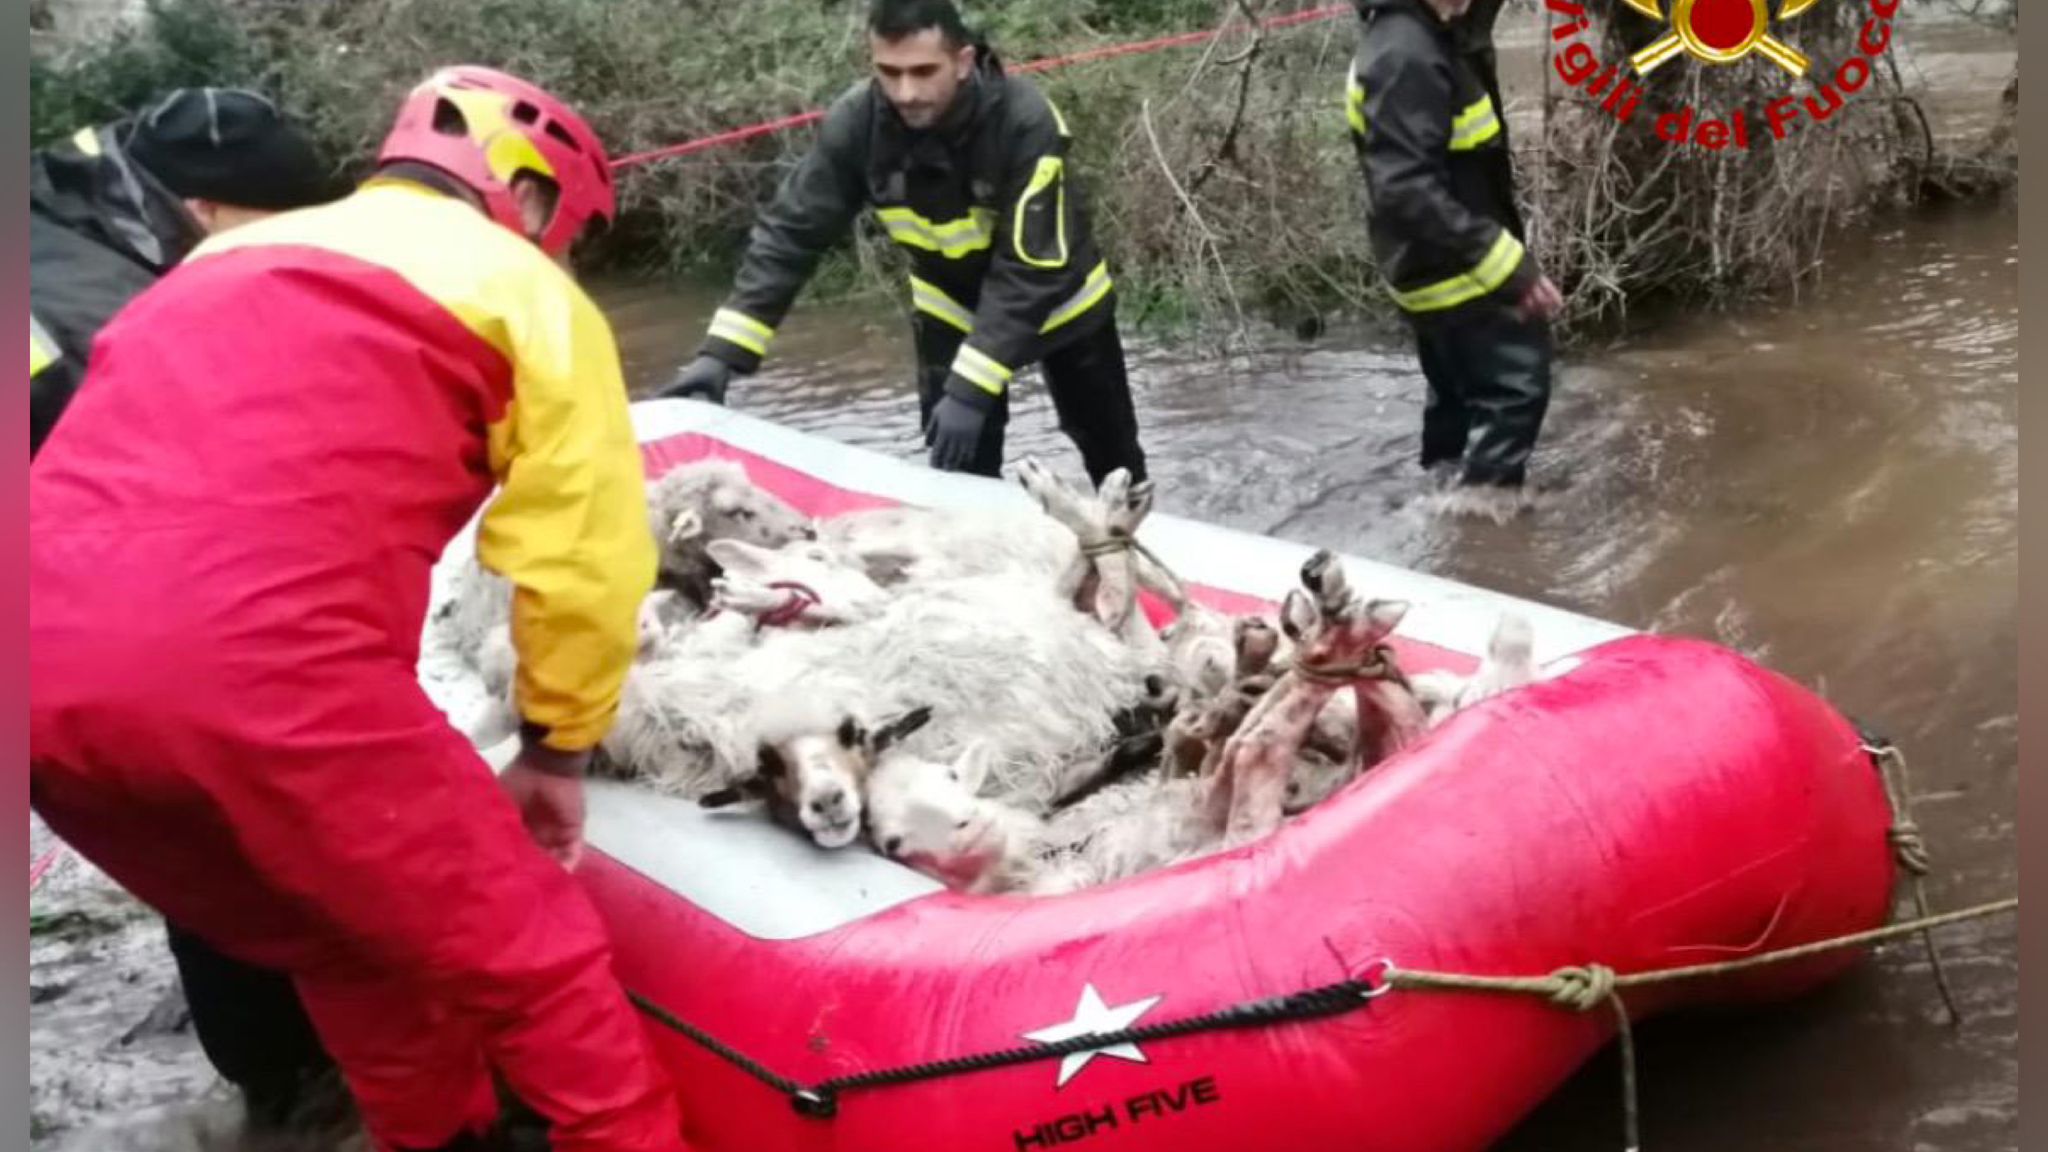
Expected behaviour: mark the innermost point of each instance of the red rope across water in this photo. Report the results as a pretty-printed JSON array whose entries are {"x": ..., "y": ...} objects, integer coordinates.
[{"x": 1181, "y": 40}]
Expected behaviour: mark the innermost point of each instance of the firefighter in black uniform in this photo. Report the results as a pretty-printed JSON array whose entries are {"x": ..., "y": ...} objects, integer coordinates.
[
  {"x": 966, "y": 169},
  {"x": 111, "y": 209},
  {"x": 1425, "y": 118}
]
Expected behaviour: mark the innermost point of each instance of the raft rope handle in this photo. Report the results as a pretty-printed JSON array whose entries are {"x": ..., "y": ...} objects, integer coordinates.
[
  {"x": 822, "y": 1099},
  {"x": 1578, "y": 988}
]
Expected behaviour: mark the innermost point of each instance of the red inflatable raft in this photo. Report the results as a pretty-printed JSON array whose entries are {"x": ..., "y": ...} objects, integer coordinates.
[{"x": 1662, "y": 803}]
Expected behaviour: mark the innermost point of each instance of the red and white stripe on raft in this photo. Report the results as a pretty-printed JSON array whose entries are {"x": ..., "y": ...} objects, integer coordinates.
[{"x": 1660, "y": 802}]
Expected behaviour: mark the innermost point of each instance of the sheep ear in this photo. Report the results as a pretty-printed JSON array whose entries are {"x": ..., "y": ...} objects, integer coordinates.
[
  {"x": 688, "y": 526},
  {"x": 769, "y": 764},
  {"x": 896, "y": 728},
  {"x": 740, "y": 558},
  {"x": 751, "y": 788},
  {"x": 851, "y": 735}
]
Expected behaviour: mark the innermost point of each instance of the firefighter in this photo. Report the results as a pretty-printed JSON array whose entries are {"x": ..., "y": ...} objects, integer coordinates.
[
  {"x": 231, "y": 536},
  {"x": 1431, "y": 138},
  {"x": 968, "y": 170},
  {"x": 113, "y": 207},
  {"x": 110, "y": 210}
]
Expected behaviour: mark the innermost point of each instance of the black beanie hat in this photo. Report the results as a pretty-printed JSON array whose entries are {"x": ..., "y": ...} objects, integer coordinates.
[{"x": 231, "y": 146}]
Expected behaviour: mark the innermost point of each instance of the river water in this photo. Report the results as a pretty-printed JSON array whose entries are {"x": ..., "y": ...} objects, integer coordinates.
[{"x": 1829, "y": 485}]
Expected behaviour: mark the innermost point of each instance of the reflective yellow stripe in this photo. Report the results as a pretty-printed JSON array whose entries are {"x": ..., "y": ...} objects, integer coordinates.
[
  {"x": 1475, "y": 125},
  {"x": 1092, "y": 289},
  {"x": 42, "y": 351},
  {"x": 933, "y": 301},
  {"x": 1491, "y": 273},
  {"x": 742, "y": 329},
  {"x": 951, "y": 239},
  {"x": 1047, "y": 176},
  {"x": 1057, "y": 119},
  {"x": 982, "y": 372},
  {"x": 1354, "y": 103},
  {"x": 87, "y": 141}
]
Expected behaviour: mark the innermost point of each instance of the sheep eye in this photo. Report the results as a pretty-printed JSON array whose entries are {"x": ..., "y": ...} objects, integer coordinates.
[
  {"x": 953, "y": 776},
  {"x": 892, "y": 845},
  {"x": 743, "y": 514}
]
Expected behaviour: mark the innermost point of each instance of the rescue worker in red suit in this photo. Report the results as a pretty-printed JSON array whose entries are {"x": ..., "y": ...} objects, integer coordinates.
[{"x": 230, "y": 537}]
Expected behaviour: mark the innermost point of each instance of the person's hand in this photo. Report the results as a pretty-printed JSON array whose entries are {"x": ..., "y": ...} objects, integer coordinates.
[
  {"x": 706, "y": 377},
  {"x": 955, "y": 433},
  {"x": 547, "y": 788},
  {"x": 1541, "y": 302}
]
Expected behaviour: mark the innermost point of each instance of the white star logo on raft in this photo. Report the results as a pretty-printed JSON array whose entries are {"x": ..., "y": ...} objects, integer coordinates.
[{"x": 1093, "y": 1017}]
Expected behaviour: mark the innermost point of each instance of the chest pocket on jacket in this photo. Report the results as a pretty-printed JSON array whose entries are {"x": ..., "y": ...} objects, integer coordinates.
[{"x": 1039, "y": 232}]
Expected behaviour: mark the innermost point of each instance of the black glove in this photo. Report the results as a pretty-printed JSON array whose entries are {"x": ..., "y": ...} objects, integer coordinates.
[
  {"x": 955, "y": 432},
  {"x": 706, "y": 376}
]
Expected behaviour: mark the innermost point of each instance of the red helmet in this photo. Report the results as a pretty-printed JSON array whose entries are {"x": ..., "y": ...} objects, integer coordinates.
[{"x": 483, "y": 127}]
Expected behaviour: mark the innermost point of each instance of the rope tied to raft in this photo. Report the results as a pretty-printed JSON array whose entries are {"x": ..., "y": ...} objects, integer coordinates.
[{"x": 1909, "y": 848}]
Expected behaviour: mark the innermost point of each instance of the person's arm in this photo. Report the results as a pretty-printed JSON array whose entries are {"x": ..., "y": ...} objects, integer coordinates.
[
  {"x": 811, "y": 211},
  {"x": 569, "y": 526},
  {"x": 1404, "y": 127}
]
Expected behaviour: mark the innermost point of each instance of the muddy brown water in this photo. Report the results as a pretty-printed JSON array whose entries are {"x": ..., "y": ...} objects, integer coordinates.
[{"x": 1829, "y": 485}]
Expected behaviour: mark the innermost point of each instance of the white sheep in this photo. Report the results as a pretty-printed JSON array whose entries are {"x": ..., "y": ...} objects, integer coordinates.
[
  {"x": 995, "y": 658},
  {"x": 936, "y": 817}
]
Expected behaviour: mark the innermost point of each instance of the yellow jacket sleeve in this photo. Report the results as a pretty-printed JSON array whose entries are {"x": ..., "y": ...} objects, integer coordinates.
[{"x": 569, "y": 526}]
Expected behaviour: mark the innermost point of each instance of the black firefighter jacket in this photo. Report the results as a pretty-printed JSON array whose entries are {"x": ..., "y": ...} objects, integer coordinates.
[
  {"x": 997, "y": 235},
  {"x": 1429, "y": 133},
  {"x": 101, "y": 230}
]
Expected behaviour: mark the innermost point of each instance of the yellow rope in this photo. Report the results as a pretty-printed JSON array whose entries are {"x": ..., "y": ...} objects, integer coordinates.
[{"x": 1583, "y": 988}]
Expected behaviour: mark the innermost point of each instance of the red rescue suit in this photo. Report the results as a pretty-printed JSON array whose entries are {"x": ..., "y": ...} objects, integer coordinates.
[{"x": 230, "y": 538}]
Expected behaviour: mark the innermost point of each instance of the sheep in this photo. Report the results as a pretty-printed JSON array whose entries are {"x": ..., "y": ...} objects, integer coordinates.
[
  {"x": 1510, "y": 663},
  {"x": 707, "y": 500},
  {"x": 1111, "y": 567},
  {"x": 1337, "y": 641},
  {"x": 926, "y": 814},
  {"x": 903, "y": 546},
  {"x": 814, "y": 783},
  {"x": 931, "y": 816},
  {"x": 996, "y": 657},
  {"x": 807, "y": 583},
  {"x": 687, "y": 508}
]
